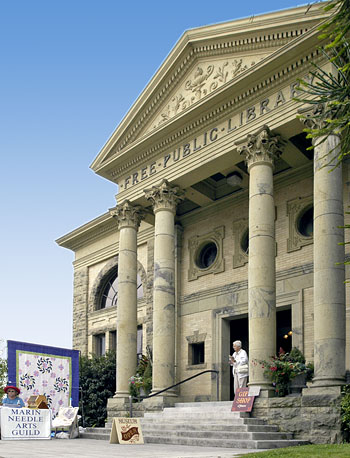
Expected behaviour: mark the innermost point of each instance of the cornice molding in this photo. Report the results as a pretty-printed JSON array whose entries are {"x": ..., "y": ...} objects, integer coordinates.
[
  {"x": 110, "y": 251},
  {"x": 274, "y": 29},
  {"x": 93, "y": 230}
]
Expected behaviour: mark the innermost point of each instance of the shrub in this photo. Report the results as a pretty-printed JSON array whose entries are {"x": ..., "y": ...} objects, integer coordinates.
[
  {"x": 345, "y": 412},
  {"x": 97, "y": 383},
  {"x": 3, "y": 376}
]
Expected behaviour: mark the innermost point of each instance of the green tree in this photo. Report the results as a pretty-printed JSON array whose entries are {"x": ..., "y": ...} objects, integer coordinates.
[
  {"x": 3, "y": 376},
  {"x": 332, "y": 89},
  {"x": 97, "y": 384}
]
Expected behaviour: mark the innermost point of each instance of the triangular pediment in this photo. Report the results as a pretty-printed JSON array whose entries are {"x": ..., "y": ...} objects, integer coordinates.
[
  {"x": 204, "y": 78},
  {"x": 203, "y": 61}
]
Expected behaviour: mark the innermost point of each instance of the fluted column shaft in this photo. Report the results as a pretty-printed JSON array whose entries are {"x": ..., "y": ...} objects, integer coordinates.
[
  {"x": 164, "y": 199},
  {"x": 260, "y": 150},
  {"x": 128, "y": 218}
]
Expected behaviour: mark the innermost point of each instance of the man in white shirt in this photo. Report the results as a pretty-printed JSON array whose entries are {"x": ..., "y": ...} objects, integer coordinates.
[{"x": 239, "y": 363}]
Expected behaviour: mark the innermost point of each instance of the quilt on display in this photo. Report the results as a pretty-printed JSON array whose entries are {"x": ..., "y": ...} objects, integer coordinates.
[{"x": 43, "y": 370}]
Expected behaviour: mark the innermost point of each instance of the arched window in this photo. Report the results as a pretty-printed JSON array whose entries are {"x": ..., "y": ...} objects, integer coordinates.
[{"x": 109, "y": 296}]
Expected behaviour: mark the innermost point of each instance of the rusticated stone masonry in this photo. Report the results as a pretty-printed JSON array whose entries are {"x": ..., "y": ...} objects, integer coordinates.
[{"x": 80, "y": 312}]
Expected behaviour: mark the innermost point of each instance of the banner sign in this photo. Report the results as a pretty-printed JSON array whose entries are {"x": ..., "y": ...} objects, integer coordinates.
[
  {"x": 126, "y": 431},
  {"x": 48, "y": 371},
  {"x": 19, "y": 424},
  {"x": 242, "y": 402}
]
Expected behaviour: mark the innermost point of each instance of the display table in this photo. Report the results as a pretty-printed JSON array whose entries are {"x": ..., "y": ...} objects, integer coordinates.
[{"x": 25, "y": 423}]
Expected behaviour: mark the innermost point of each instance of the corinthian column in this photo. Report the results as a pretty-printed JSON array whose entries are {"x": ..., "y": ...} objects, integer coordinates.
[
  {"x": 329, "y": 269},
  {"x": 164, "y": 199},
  {"x": 260, "y": 150},
  {"x": 128, "y": 218}
]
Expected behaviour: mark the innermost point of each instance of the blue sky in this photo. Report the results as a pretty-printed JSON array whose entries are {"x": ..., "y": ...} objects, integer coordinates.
[{"x": 70, "y": 70}]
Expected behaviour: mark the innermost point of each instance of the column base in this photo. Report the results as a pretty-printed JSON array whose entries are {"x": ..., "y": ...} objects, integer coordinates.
[
  {"x": 120, "y": 407},
  {"x": 327, "y": 382},
  {"x": 159, "y": 402},
  {"x": 314, "y": 390},
  {"x": 121, "y": 395}
]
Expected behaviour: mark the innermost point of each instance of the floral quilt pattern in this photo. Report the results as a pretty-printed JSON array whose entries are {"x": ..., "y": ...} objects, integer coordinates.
[{"x": 48, "y": 375}]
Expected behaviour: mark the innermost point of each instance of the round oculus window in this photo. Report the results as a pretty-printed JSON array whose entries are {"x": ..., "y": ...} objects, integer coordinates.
[
  {"x": 305, "y": 223},
  {"x": 206, "y": 255}
]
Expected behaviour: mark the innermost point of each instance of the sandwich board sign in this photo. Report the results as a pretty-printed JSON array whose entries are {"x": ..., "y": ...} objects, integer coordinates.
[
  {"x": 126, "y": 431},
  {"x": 243, "y": 402}
]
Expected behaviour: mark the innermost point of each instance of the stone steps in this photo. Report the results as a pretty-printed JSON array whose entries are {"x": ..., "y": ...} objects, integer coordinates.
[
  {"x": 207, "y": 424},
  {"x": 224, "y": 443},
  {"x": 199, "y": 426}
]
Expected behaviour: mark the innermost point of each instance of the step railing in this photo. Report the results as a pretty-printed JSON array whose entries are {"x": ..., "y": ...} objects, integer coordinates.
[{"x": 141, "y": 398}]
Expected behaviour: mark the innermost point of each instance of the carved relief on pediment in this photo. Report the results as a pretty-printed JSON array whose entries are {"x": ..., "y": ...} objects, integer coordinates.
[{"x": 204, "y": 78}]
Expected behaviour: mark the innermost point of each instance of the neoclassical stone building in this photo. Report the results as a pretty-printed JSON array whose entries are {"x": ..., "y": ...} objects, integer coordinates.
[{"x": 226, "y": 225}]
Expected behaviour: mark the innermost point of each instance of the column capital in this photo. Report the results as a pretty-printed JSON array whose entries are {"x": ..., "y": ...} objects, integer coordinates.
[
  {"x": 261, "y": 147},
  {"x": 164, "y": 196},
  {"x": 313, "y": 116},
  {"x": 127, "y": 215}
]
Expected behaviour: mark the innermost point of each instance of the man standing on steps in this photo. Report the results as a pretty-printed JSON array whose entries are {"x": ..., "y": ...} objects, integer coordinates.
[{"x": 239, "y": 363}]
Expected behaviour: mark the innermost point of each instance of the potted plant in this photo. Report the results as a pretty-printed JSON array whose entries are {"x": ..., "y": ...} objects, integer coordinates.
[
  {"x": 288, "y": 372},
  {"x": 141, "y": 384}
]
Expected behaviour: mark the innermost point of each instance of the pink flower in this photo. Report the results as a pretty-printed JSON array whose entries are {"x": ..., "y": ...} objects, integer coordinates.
[
  {"x": 61, "y": 367},
  {"x": 27, "y": 363},
  {"x": 273, "y": 368},
  {"x": 45, "y": 383}
]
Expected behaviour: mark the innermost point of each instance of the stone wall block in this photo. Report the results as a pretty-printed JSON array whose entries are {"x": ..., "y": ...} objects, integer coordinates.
[{"x": 320, "y": 400}]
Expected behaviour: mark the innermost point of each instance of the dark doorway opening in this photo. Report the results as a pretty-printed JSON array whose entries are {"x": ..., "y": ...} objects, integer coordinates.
[
  {"x": 284, "y": 330},
  {"x": 239, "y": 330}
]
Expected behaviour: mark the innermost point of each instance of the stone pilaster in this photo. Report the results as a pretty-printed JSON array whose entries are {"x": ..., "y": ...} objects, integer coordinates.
[
  {"x": 329, "y": 269},
  {"x": 80, "y": 310},
  {"x": 128, "y": 218},
  {"x": 164, "y": 199},
  {"x": 260, "y": 150}
]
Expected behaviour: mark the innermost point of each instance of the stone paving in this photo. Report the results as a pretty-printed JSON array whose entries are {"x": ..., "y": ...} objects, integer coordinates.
[{"x": 85, "y": 448}]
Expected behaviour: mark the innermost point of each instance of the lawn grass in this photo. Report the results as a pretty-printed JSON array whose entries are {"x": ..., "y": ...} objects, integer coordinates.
[{"x": 305, "y": 451}]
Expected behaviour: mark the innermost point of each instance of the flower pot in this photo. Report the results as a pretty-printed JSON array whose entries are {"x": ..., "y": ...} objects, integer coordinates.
[
  {"x": 142, "y": 391},
  {"x": 297, "y": 384}
]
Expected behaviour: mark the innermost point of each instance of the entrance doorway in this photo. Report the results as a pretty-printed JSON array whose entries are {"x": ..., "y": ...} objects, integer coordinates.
[
  {"x": 239, "y": 330},
  {"x": 284, "y": 330}
]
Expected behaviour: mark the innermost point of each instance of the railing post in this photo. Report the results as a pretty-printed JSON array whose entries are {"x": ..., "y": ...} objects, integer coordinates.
[{"x": 130, "y": 406}]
